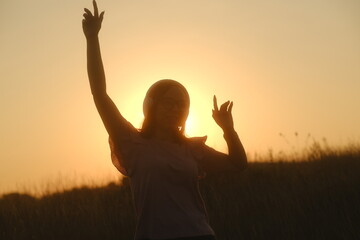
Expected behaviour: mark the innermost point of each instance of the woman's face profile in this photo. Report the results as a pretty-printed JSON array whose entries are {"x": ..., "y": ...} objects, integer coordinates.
[{"x": 172, "y": 109}]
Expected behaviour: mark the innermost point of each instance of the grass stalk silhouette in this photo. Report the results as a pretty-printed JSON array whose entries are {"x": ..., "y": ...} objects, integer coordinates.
[{"x": 314, "y": 195}]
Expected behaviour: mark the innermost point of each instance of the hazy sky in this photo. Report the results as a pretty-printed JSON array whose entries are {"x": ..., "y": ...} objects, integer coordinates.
[{"x": 289, "y": 66}]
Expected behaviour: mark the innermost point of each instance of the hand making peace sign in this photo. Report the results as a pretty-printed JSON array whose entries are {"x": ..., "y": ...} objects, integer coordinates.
[
  {"x": 92, "y": 23},
  {"x": 223, "y": 117}
]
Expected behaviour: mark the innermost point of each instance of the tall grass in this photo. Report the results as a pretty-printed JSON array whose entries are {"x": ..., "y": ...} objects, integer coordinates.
[{"x": 286, "y": 197}]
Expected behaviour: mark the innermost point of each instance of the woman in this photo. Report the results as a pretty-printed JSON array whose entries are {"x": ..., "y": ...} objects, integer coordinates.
[{"x": 163, "y": 165}]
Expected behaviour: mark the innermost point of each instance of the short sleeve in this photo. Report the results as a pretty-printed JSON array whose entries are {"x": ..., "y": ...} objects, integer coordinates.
[
  {"x": 123, "y": 151},
  {"x": 209, "y": 159}
]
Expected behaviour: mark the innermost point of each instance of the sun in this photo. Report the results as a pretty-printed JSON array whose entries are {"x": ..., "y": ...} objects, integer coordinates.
[
  {"x": 189, "y": 125},
  {"x": 194, "y": 127}
]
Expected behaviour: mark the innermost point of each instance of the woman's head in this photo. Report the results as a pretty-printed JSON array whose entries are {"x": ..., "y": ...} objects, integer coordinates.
[{"x": 166, "y": 107}]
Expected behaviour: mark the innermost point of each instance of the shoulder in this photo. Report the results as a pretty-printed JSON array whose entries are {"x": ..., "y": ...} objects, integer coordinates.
[
  {"x": 197, "y": 140},
  {"x": 197, "y": 146}
]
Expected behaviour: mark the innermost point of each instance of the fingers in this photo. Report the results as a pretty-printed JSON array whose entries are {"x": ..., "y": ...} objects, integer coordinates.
[
  {"x": 215, "y": 103},
  {"x": 96, "y": 11},
  {"x": 87, "y": 13},
  {"x": 102, "y": 16},
  {"x": 230, "y": 107},
  {"x": 224, "y": 106},
  {"x": 86, "y": 16}
]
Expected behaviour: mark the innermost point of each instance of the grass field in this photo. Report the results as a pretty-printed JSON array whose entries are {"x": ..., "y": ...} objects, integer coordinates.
[{"x": 312, "y": 196}]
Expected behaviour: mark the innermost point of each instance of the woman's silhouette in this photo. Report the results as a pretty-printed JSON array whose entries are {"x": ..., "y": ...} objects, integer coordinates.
[{"x": 163, "y": 165}]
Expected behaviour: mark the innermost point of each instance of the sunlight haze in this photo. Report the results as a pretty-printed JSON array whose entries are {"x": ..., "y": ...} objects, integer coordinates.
[{"x": 288, "y": 66}]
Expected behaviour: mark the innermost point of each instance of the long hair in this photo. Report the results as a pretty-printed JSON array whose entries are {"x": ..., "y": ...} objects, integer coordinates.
[{"x": 151, "y": 101}]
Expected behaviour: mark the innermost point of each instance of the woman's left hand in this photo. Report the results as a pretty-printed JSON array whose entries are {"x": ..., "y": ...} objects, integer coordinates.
[{"x": 223, "y": 117}]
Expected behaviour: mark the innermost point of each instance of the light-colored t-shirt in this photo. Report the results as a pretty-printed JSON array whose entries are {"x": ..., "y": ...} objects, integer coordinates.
[{"x": 164, "y": 179}]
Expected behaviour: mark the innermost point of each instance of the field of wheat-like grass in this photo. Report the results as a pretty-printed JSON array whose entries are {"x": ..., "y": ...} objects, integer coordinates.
[{"x": 315, "y": 198}]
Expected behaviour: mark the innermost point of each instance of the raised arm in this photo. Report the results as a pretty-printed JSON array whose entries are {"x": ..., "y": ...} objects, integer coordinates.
[
  {"x": 91, "y": 27},
  {"x": 114, "y": 123},
  {"x": 223, "y": 118}
]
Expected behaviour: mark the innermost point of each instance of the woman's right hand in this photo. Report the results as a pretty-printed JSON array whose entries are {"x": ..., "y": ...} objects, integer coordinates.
[{"x": 92, "y": 23}]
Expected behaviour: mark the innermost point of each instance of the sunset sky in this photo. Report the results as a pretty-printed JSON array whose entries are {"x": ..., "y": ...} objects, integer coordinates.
[{"x": 289, "y": 66}]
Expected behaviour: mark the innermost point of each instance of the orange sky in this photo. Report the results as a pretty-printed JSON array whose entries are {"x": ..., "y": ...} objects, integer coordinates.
[{"x": 289, "y": 66}]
